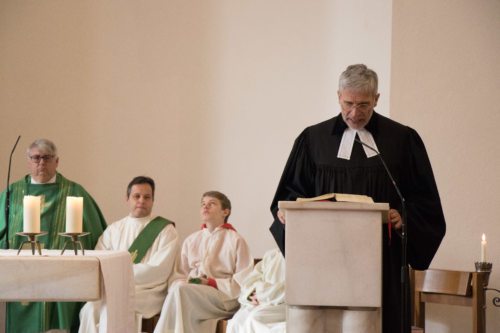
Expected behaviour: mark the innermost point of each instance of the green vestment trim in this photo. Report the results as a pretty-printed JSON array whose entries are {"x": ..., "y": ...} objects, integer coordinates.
[
  {"x": 146, "y": 237},
  {"x": 35, "y": 317}
]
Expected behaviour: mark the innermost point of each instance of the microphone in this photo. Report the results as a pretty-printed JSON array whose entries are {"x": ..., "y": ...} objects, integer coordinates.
[
  {"x": 7, "y": 197},
  {"x": 405, "y": 324},
  {"x": 386, "y": 170}
]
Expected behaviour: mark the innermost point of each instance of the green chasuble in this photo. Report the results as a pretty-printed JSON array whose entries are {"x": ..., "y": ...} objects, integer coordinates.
[{"x": 41, "y": 316}]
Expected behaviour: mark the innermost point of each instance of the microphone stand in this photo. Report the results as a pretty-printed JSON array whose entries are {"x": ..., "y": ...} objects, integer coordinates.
[
  {"x": 7, "y": 197},
  {"x": 405, "y": 323}
]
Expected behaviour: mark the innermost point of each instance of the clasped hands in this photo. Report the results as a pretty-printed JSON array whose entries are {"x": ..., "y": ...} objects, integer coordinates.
[
  {"x": 199, "y": 280},
  {"x": 253, "y": 298}
]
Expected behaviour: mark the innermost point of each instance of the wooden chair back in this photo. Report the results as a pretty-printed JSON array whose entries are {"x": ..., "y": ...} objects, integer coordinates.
[{"x": 453, "y": 288}]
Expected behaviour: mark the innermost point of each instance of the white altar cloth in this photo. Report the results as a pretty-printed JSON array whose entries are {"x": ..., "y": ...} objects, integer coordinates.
[{"x": 105, "y": 275}]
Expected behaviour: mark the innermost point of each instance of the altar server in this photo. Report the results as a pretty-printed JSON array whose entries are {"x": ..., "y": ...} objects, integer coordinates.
[
  {"x": 262, "y": 298},
  {"x": 212, "y": 260}
]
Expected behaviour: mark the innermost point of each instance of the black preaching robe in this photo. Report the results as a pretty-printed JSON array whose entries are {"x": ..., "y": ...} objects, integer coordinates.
[{"x": 314, "y": 169}]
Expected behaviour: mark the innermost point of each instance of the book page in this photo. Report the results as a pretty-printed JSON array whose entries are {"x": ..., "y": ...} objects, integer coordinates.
[
  {"x": 328, "y": 196},
  {"x": 353, "y": 198},
  {"x": 338, "y": 197}
]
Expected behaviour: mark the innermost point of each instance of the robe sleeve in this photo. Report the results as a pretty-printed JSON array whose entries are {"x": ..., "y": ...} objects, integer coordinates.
[
  {"x": 426, "y": 224},
  {"x": 296, "y": 181},
  {"x": 182, "y": 268},
  {"x": 93, "y": 219},
  {"x": 15, "y": 214},
  {"x": 244, "y": 260},
  {"x": 104, "y": 242},
  {"x": 267, "y": 280},
  {"x": 271, "y": 292},
  {"x": 3, "y": 230}
]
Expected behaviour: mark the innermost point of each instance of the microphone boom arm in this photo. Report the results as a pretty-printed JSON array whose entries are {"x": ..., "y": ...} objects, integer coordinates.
[
  {"x": 7, "y": 197},
  {"x": 405, "y": 324}
]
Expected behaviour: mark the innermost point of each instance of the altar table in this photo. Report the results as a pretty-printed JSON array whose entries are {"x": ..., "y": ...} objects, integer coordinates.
[{"x": 97, "y": 275}]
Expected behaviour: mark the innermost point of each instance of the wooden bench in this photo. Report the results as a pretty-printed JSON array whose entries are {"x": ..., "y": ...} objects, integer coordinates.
[
  {"x": 453, "y": 288},
  {"x": 148, "y": 325}
]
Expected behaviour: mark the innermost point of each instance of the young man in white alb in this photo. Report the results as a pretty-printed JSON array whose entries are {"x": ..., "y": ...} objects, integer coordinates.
[
  {"x": 153, "y": 243},
  {"x": 212, "y": 260}
]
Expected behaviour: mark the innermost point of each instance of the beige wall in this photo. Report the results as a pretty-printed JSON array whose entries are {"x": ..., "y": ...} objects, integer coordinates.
[
  {"x": 445, "y": 82},
  {"x": 211, "y": 94},
  {"x": 197, "y": 94}
]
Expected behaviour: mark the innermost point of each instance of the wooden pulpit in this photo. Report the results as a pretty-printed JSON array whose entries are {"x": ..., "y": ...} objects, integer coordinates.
[{"x": 333, "y": 266}]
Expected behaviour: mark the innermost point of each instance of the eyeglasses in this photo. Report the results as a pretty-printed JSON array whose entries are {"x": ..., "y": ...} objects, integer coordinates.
[
  {"x": 38, "y": 158},
  {"x": 351, "y": 106}
]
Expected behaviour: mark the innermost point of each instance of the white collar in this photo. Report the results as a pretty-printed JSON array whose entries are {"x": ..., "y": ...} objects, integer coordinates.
[
  {"x": 141, "y": 220},
  {"x": 51, "y": 180},
  {"x": 347, "y": 142}
]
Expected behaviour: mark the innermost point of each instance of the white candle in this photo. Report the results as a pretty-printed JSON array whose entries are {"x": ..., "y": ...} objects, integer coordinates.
[
  {"x": 31, "y": 214},
  {"x": 74, "y": 214},
  {"x": 483, "y": 248}
]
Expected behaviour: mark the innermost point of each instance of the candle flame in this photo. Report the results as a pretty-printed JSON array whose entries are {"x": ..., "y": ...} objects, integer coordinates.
[{"x": 484, "y": 237}]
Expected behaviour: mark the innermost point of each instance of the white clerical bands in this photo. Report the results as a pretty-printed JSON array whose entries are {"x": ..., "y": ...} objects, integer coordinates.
[{"x": 347, "y": 143}]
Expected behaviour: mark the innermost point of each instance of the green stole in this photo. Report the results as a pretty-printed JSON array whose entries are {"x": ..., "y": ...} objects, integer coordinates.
[{"x": 146, "y": 237}]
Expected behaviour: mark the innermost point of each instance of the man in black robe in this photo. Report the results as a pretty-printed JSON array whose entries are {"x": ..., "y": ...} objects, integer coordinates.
[{"x": 327, "y": 158}]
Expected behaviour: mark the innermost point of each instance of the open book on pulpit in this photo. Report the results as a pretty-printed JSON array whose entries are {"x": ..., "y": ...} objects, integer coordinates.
[{"x": 340, "y": 197}]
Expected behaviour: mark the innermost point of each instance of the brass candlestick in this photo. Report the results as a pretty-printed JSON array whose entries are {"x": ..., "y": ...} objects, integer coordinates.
[
  {"x": 483, "y": 266},
  {"x": 32, "y": 240},
  {"x": 75, "y": 240}
]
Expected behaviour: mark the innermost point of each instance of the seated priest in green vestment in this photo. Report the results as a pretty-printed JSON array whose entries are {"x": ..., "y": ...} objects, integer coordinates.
[
  {"x": 153, "y": 244},
  {"x": 53, "y": 188}
]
